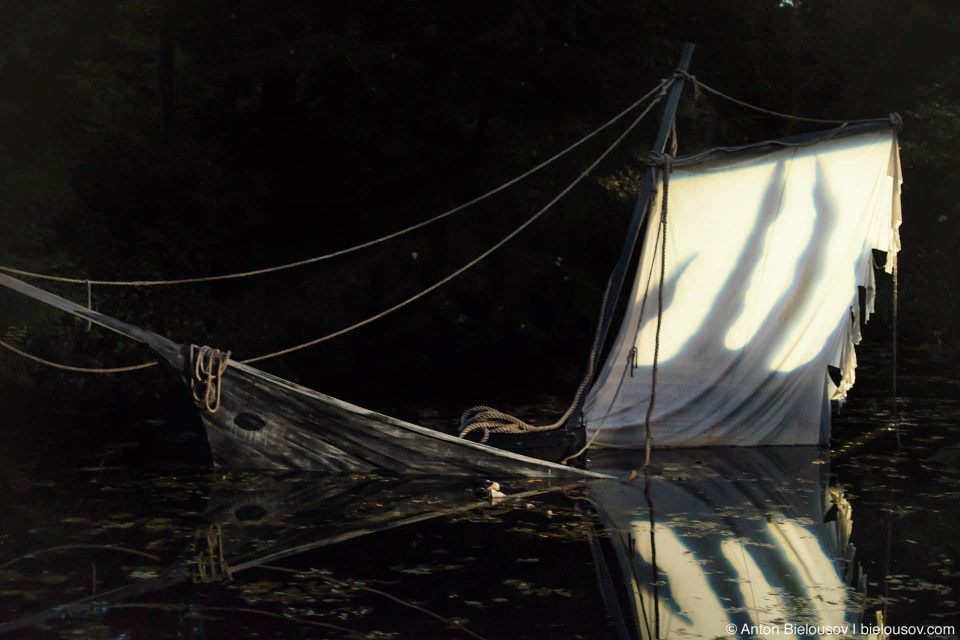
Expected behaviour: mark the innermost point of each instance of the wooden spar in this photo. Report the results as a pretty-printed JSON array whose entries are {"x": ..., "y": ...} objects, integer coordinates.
[
  {"x": 633, "y": 232},
  {"x": 174, "y": 353},
  {"x": 265, "y": 422}
]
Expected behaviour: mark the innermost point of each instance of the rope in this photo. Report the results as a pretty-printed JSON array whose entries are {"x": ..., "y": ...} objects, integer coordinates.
[
  {"x": 208, "y": 365},
  {"x": 631, "y": 361},
  {"x": 786, "y": 116},
  {"x": 494, "y": 421},
  {"x": 476, "y": 260},
  {"x": 896, "y": 405},
  {"x": 76, "y": 369},
  {"x": 663, "y": 270},
  {"x": 210, "y": 565},
  {"x": 147, "y": 283},
  {"x": 89, "y": 303},
  {"x": 491, "y": 420}
]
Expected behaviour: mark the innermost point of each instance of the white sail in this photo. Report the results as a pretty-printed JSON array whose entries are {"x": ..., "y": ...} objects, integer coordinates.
[{"x": 764, "y": 254}]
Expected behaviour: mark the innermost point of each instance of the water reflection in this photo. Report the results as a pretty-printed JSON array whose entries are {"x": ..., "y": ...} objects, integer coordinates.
[
  {"x": 743, "y": 537},
  {"x": 752, "y": 540}
]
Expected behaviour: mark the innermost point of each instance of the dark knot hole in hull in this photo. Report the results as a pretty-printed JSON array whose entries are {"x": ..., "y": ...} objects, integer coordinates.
[{"x": 249, "y": 422}]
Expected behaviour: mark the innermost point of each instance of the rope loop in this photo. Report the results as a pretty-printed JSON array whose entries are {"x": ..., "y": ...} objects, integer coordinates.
[
  {"x": 491, "y": 420},
  {"x": 208, "y": 365},
  {"x": 209, "y": 564}
]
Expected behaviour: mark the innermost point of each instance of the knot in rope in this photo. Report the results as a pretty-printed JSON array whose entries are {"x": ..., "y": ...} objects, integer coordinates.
[
  {"x": 664, "y": 160},
  {"x": 680, "y": 74},
  {"x": 208, "y": 365}
]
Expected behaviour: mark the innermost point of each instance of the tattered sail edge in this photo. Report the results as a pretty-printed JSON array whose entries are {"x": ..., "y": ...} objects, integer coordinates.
[
  {"x": 896, "y": 213},
  {"x": 867, "y": 278}
]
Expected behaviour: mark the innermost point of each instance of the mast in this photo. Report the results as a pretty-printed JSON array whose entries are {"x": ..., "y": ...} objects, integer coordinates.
[{"x": 633, "y": 232}]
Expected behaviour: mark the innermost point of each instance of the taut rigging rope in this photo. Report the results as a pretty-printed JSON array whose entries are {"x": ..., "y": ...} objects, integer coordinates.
[
  {"x": 147, "y": 283},
  {"x": 661, "y": 88},
  {"x": 67, "y": 367},
  {"x": 786, "y": 116},
  {"x": 479, "y": 258},
  {"x": 491, "y": 420}
]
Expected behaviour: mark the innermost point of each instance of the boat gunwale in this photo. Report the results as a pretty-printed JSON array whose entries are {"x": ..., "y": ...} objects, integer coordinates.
[{"x": 403, "y": 424}]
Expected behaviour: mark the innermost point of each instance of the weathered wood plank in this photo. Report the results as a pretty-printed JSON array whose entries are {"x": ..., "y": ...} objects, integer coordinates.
[{"x": 266, "y": 422}]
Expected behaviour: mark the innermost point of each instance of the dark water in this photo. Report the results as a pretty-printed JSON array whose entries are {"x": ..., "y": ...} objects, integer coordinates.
[{"x": 146, "y": 541}]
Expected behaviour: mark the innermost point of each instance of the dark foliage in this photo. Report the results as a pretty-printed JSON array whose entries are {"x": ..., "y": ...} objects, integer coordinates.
[{"x": 165, "y": 138}]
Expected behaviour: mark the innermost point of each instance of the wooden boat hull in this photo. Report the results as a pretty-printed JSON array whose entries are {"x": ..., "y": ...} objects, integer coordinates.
[{"x": 265, "y": 422}]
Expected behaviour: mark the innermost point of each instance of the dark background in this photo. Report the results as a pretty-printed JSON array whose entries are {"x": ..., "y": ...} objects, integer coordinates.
[{"x": 152, "y": 139}]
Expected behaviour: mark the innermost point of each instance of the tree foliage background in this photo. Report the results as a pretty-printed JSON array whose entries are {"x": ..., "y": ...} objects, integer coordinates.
[{"x": 171, "y": 138}]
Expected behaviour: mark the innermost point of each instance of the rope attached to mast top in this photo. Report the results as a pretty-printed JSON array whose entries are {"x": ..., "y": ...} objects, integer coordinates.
[{"x": 661, "y": 88}]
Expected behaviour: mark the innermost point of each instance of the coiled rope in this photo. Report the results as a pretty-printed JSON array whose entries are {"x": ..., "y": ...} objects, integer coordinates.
[
  {"x": 243, "y": 274},
  {"x": 491, "y": 420},
  {"x": 208, "y": 365}
]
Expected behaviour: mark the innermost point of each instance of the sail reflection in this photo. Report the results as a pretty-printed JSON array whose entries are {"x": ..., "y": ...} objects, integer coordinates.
[{"x": 730, "y": 543}]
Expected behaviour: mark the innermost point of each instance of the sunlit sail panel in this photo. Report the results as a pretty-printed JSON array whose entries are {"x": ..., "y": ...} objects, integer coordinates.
[
  {"x": 764, "y": 254},
  {"x": 848, "y": 219},
  {"x": 701, "y": 252},
  {"x": 783, "y": 249}
]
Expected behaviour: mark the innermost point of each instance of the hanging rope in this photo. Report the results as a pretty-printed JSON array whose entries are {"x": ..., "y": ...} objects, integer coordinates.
[
  {"x": 630, "y": 366},
  {"x": 147, "y": 283},
  {"x": 66, "y": 367},
  {"x": 786, "y": 116},
  {"x": 208, "y": 365},
  {"x": 896, "y": 404},
  {"x": 661, "y": 88},
  {"x": 491, "y": 420},
  {"x": 663, "y": 270}
]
